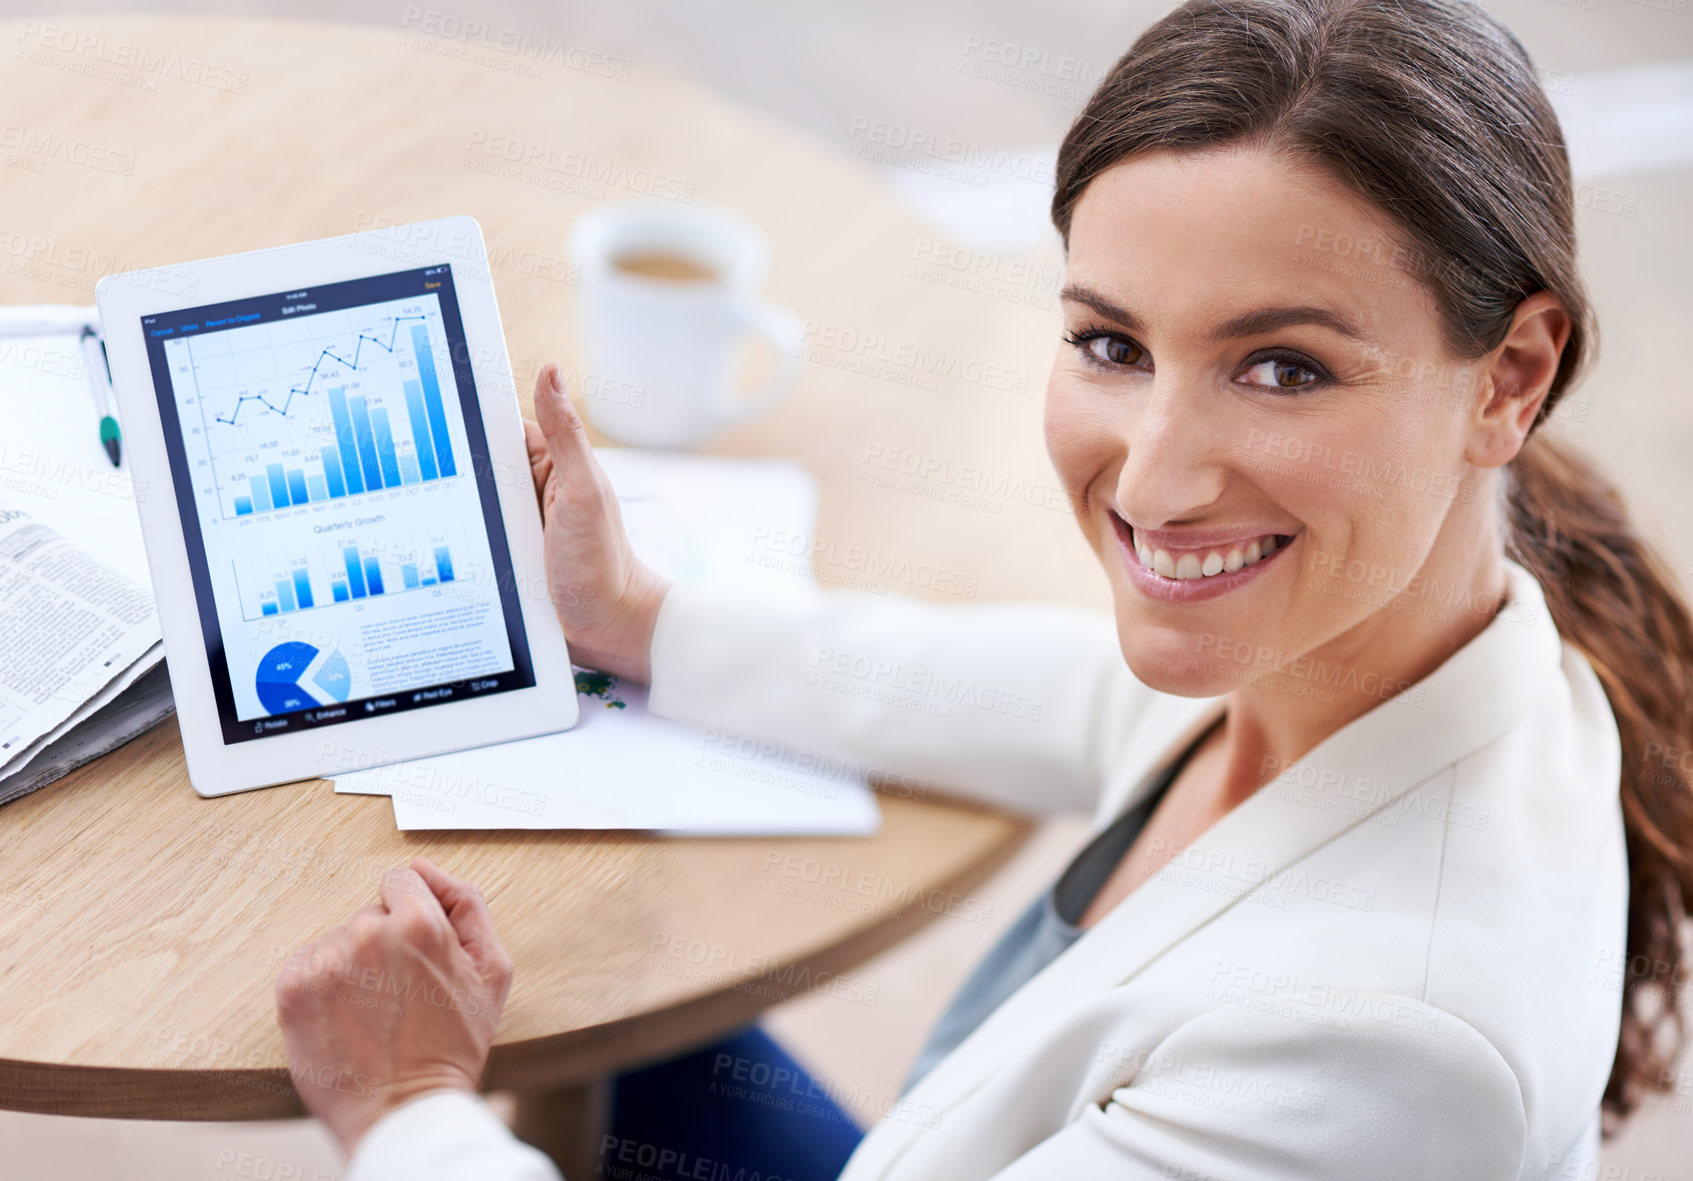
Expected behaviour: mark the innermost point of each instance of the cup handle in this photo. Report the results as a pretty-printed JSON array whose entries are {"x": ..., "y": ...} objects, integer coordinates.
[{"x": 786, "y": 335}]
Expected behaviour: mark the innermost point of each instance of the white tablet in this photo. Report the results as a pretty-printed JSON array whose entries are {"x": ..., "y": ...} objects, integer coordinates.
[{"x": 337, "y": 506}]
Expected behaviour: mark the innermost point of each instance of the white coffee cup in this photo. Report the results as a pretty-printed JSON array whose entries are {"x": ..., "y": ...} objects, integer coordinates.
[{"x": 659, "y": 352}]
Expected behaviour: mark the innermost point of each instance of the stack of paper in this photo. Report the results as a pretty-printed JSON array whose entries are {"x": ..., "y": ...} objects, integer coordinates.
[
  {"x": 691, "y": 518},
  {"x": 81, "y": 663}
]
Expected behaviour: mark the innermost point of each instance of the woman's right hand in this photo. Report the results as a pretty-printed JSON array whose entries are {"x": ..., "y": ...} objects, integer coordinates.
[{"x": 606, "y": 598}]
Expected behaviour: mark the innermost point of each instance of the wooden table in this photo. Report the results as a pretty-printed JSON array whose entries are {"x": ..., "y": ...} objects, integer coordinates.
[{"x": 142, "y": 926}]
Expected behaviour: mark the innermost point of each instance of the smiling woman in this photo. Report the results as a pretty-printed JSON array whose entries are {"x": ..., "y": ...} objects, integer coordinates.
[
  {"x": 1383, "y": 745},
  {"x": 1248, "y": 153}
]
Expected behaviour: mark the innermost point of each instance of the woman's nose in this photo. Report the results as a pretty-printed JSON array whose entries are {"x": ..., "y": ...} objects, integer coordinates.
[{"x": 1175, "y": 463}]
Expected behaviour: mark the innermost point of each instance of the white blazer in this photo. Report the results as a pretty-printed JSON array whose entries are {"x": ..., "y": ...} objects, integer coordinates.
[{"x": 1400, "y": 959}]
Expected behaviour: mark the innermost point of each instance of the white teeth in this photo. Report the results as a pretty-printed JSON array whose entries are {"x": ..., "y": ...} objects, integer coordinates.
[{"x": 1190, "y": 565}]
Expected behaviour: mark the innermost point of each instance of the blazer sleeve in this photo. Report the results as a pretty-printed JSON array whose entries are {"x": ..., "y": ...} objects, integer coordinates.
[
  {"x": 446, "y": 1136},
  {"x": 1402, "y": 1092},
  {"x": 1016, "y": 704}
]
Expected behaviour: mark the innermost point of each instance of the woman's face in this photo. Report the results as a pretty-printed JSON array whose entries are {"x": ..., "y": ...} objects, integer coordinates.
[{"x": 1256, "y": 417}]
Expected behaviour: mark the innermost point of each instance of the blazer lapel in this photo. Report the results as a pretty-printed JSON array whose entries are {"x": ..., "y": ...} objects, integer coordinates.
[{"x": 1468, "y": 702}]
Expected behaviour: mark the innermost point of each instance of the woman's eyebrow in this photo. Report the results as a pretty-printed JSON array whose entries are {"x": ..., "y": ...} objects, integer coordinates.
[{"x": 1251, "y": 324}]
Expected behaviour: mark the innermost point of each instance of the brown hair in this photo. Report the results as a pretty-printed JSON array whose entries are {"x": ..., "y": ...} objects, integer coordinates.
[{"x": 1431, "y": 110}]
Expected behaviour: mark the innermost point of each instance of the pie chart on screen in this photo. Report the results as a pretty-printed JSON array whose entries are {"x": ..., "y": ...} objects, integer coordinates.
[
  {"x": 278, "y": 679},
  {"x": 281, "y": 671}
]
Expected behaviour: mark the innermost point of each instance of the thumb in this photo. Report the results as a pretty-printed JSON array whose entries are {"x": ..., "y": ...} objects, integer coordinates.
[
  {"x": 466, "y": 910},
  {"x": 561, "y": 426}
]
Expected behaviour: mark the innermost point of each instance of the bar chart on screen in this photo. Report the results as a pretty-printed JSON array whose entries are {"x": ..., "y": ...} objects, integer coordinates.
[
  {"x": 353, "y": 404},
  {"x": 346, "y": 568}
]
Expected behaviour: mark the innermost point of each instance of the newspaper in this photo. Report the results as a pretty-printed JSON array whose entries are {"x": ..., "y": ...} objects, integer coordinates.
[{"x": 77, "y": 642}]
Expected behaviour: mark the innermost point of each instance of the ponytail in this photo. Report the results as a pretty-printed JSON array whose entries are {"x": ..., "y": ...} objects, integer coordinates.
[{"x": 1612, "y": 599}]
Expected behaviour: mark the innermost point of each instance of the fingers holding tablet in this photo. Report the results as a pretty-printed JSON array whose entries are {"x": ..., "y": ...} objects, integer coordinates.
[{"x": 606, "y": 598}]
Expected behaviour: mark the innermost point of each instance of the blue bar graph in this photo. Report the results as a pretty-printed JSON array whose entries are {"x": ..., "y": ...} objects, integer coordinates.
[
  {"x": 344, "y": 439},
  {"x": 278, "y": 485},
  {"x": 420, "y": 429},
  {"x": 432, "y": 401},
  {"x": 356, "y": 574},
  {"x": 367, "y": 443},
  {"x": 315, "y": 489},
  {"x": 355, "y": 571},
  {"x": 260, "y": 490},
  {"x": 408, "y": 468},
  {"x": 332, "y": 472},
  {"x": 297, "y": 486},
  {"x": 243, "y": 506},
  {"x": 385, "y": 447}
]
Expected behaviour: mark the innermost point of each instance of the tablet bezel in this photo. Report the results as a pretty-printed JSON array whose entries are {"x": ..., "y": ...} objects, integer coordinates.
[{"x": 216, "y": 768}]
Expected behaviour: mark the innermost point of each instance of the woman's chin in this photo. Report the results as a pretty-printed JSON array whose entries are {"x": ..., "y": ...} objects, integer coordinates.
[{"x": 1178, "y": 667}]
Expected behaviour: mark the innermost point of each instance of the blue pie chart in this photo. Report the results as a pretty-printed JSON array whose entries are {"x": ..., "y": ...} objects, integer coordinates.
[{"x": 278, "y": 679}]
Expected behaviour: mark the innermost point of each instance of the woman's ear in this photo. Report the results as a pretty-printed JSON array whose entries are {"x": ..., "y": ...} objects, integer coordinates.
[{"x": 1516, "y": 378}]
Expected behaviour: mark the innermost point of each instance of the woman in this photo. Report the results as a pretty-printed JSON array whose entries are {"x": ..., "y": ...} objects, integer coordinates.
[{"x": 1365, "y": 898}]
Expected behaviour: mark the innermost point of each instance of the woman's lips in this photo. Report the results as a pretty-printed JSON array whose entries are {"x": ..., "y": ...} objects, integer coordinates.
[{"x": 1190, "y": 573}]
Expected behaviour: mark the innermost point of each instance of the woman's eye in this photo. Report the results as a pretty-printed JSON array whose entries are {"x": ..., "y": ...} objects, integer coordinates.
[
  {"x": 1115, "y": 350},
  {"x": 1281, "y": 373}
]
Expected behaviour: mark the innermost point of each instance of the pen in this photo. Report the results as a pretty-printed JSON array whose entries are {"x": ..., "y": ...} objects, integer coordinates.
[{"x": 100, "y": 381}]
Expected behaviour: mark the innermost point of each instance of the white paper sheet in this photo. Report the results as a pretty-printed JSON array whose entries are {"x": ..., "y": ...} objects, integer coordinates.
[
  {"x": 692, "y": 518},
  {"x": 622, "y": 767}
]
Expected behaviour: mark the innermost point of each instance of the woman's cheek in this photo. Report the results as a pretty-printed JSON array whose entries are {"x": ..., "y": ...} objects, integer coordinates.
[{"x": 1081, "y": 438}]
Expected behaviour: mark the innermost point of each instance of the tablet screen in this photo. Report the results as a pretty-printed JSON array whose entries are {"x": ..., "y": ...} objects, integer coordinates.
[{"x": 340, "y": 512}]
